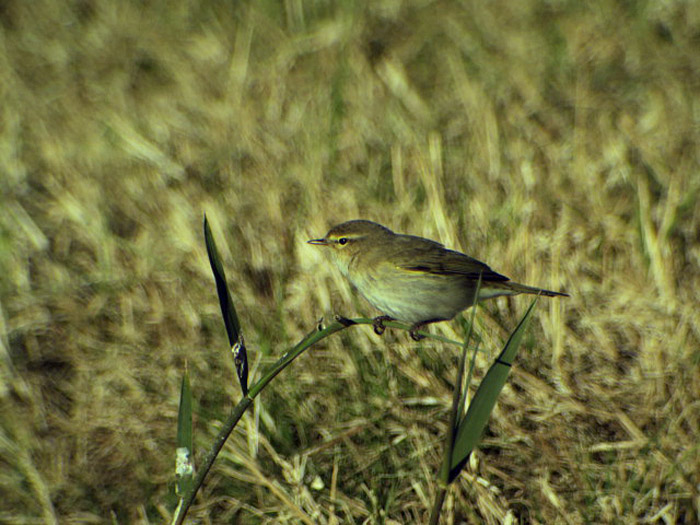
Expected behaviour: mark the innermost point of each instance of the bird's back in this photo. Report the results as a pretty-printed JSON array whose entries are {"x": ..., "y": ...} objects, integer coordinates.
[{"x": 423, "y": 255}]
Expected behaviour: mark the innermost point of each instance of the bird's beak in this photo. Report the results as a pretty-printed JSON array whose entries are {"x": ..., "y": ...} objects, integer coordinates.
[{"x": 319, "y": 242}]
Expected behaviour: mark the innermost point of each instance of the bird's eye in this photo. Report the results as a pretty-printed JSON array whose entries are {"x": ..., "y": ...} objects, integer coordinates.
[{"x": 343, "y": 241}]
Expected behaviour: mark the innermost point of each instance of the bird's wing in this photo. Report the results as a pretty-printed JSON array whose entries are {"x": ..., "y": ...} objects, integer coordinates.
[{"x": 431, "y": 257}]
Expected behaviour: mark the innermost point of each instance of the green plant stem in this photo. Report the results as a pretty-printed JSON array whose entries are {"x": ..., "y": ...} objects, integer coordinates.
[
  {"x": 243, "y": 405},
  {"x": 208, "y": 460},
  {"x": 437, "y": 504},
  {"x": 459, "y": 397}
]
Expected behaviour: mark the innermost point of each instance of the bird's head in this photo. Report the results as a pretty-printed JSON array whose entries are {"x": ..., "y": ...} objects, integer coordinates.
[{"x": 349, "y": 239}]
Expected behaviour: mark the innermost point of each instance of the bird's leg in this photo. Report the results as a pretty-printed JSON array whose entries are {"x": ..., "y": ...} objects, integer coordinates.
[
  {"x": 417, "y": 326},
  {"x": 378, "y": 323},
  {"x": 414, "y": 331}
]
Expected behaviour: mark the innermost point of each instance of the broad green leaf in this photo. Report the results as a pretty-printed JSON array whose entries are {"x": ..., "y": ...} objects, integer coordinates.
[
  {"x": 459, "y": 395},
  {"x": 228, "y": 310},
  {"x": 481, "y": 406}
]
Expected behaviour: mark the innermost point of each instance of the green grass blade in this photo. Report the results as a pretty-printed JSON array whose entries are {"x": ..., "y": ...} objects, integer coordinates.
[
  {"x": 481, "y": 406},
  {"x": 316, "y": 335},
  {"x": 472, "y": 361},
  {"x": 228, "y": 310},
  {"x": 184, "y": 464},
  {"x": 458, "y": 397}
]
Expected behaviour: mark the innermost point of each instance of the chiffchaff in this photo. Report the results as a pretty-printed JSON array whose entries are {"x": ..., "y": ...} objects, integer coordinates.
[{"x": 410, "y": 278}]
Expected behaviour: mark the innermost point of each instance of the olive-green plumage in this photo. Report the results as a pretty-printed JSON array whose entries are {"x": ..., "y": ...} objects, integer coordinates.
[{"x": 410, "y": 278}]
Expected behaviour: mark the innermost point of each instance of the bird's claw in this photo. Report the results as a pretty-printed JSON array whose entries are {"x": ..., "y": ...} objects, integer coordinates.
[
  {"x": 415, "y": 335},
  {"x": 378, "y": 323},
  {"x": 417, "y": 326}
]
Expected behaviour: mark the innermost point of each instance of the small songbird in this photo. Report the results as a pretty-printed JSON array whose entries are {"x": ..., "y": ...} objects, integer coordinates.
[{"x": 410, "y": 278}]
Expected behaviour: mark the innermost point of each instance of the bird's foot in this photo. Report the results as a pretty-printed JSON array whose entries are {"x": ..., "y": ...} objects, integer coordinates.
[
  {"x": 417, "y": 326},
  {"x": 378, "y": 323},
  {"x": 414, "y": 332}
]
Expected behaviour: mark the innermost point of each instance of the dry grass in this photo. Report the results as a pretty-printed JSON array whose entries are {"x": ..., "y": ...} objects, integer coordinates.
[{"x": 555, "y": 141}]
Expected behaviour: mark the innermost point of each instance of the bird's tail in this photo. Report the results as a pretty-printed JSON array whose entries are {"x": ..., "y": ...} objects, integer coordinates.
[{"x": 522, "y": 288}]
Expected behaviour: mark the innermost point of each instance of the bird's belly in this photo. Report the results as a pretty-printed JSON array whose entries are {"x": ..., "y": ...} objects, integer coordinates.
[{"x": 415, "y": 298}]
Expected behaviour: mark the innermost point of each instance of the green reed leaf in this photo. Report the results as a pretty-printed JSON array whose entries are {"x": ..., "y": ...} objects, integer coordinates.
[
  {"x": 481, "y": 406},
  {"x": 228, "y": 310},
  {"x": 184, "y": 462}
]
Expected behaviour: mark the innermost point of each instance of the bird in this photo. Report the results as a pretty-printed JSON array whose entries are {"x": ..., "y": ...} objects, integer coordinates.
[{"x": 413, "y": 279}]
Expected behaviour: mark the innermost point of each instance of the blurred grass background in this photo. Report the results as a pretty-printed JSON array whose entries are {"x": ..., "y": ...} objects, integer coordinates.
[{"x": 555, "y": 140}]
